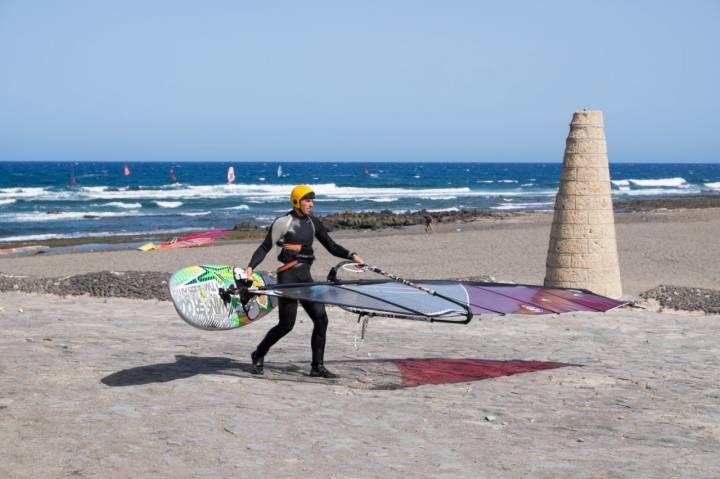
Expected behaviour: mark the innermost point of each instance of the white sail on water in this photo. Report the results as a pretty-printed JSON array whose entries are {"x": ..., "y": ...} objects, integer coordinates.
[
  {"x": 280, "y": 171},
  {"x": 231, "y": 175}
]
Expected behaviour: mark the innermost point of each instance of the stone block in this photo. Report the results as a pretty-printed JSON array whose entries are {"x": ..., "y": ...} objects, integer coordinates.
[
  {"x": 585, "y": 188},
  {"x": 564, "y": 202},
  {"x": 574, "y": 160},
  {"x": 572, "y": 275},
  {"x": 586, "y": 231},
  {"x": 570, "y": 216},
  {"x": 568, "y": 174},
  {"x": 571, "y": 246},
  {"x": 587, "y": 117},
  {"x": 561, "y": 230},
  {"x": 587, "y": 133},
  {"x": 559, "y": 260},
  {"x": 593, "y": 174},
  {"x": 595, "y": 202},
  {"x": 587, "y": 261},
  {"x": 573, "y": 146}
]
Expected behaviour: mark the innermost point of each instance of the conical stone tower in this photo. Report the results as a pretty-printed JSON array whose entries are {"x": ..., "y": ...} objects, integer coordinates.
[{"x": 583, "y": 249}]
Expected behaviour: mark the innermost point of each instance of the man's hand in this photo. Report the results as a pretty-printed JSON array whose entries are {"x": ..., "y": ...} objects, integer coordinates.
[
  {"x": 357, "y": 258},
  {"x": 248, "y": 272}
]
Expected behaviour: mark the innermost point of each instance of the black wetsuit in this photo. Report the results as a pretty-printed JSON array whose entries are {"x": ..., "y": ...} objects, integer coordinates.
[{"x": 293, "y": 235}]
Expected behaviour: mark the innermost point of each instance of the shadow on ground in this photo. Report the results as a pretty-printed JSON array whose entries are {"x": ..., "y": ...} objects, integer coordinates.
[{"x": 360, "y": 374}]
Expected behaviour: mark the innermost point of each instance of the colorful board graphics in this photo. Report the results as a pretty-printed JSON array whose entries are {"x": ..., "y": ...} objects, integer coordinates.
[{"x": 195, "y": 293}]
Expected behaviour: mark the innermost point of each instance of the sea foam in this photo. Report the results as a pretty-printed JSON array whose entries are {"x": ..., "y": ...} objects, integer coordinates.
[{"x": 651, "y": 183}]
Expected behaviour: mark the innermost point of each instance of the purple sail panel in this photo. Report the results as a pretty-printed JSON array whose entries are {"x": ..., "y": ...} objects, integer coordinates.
[
  {"x": 590, "y": 301},
  {"x": 493, "y": 299},
  {"x": 532, "y": 300},
  {"x": 539, "y": 298}
]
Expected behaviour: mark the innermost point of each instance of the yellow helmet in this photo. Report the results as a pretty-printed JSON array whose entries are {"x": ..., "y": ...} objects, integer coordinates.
[{"x": 300, "y": 192}]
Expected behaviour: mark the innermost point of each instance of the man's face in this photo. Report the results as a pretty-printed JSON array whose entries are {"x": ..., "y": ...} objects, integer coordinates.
[{"x": 306, "y": 206}]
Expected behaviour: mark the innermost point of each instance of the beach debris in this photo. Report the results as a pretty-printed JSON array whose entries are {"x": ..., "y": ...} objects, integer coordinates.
[
  {"x": 20, "y": 310},
  {"x": 490, "y": 418}
]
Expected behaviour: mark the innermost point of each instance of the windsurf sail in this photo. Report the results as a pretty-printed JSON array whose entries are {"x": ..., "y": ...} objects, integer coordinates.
[
  {"x": 212, "y": 234},
  {"x": 173, "y": 177},
  {"x": 279, "y": 171},
  {"x": 438, "y": 300},
  {"x": 230, "y": 175},
  {"x": 177, "y": 243},
  {"x": 126, "y": 170},
  {"x": 189, "y": 241}
]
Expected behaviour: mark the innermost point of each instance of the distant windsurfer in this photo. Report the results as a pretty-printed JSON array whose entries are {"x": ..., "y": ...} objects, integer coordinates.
[{"x": 293, "y": 236}]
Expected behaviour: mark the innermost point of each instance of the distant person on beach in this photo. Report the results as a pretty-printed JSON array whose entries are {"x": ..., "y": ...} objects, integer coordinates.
[
  {"x": 293, "y": 235},
  {"x": 428, "y": 224}
]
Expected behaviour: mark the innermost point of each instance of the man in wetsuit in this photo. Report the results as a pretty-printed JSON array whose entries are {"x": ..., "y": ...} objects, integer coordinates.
[{"x": 293, "y": 235}]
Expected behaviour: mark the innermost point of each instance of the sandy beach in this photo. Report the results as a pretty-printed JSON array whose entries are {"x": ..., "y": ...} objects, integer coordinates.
[
  {"x": 677, "y": 247},
  {"x": 113, "y": 387}
]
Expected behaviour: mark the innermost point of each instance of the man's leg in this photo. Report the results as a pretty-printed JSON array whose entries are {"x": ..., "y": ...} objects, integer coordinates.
[
  {"x": 287, "y": 310},
  {"x": 317, "y": 313}
]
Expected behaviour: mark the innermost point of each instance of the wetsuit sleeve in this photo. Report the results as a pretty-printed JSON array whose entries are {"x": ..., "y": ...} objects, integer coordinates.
[
  {"x": 330, "y": 245},
  {"x": 262, "y": 250}
]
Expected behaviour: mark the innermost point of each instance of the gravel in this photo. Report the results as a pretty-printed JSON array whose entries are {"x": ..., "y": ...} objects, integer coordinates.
[
  {"x": 684, "y": 298},
  {"x": 104, "y": 284}
]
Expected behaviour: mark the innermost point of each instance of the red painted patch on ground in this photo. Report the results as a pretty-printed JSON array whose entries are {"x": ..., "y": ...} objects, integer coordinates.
[{"x": 416, "y": 372}]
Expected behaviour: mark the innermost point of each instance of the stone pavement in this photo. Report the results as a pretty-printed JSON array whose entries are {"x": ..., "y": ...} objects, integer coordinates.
[{"x": 123, "y": 388}]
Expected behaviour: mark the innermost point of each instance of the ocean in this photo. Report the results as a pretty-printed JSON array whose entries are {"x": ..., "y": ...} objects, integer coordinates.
[{"x": 45, "y": 200}]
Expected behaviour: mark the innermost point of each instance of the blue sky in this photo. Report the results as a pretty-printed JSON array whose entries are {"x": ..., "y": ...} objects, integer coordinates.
[{"x": 356, "y": 81}]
